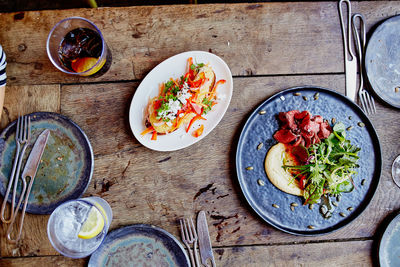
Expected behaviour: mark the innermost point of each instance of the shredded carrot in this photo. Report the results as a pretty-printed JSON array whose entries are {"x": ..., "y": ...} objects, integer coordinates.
[
  {"x": 148, "y": 130},
  {"x": 154, "y": 136},
  {"x": 214, "y": 90},
  {"x": 199, "y": 131}
]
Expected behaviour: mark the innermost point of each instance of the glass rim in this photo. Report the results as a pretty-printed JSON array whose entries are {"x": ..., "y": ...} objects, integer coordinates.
[{"x": 64, "y": 69}]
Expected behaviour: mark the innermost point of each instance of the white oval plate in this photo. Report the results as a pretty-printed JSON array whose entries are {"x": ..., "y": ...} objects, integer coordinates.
[{"x": 175, "y": 67}]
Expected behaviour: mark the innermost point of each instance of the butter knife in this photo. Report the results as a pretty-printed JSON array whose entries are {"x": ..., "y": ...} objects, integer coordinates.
[
  {"x": 30, "y": 170},
  {"x": 206, "y": 252}
]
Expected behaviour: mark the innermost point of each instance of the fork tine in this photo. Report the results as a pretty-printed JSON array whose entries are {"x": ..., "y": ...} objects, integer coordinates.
[
  {"x": 29, "y": 128},
  {"x": 186, "y": 231},
  {"x": 190, "y": 230},
  {"x": 369, "y": 103},
  {"x": 18, "y": 126},
  {"x": 182, "y": 233},
  {"x": 373, "y": 104},
  {"x": 363, "y": 104},
  {"x": 194, "y": 229}
]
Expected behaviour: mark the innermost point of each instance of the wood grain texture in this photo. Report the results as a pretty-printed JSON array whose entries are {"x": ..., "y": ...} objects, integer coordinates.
[
  {"x": 20, "y": 100},
  {"x": 254, "y": 39},
  {"x": 352, "y": 253}
]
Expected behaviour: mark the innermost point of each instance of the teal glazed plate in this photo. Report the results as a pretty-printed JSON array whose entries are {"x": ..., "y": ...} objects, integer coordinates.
[
  {"x": 66, "y": 166},
  {"x": 140, "y": 245},
  {"x": 389, "y": 247},
  {"x": 273, "y": 205}
]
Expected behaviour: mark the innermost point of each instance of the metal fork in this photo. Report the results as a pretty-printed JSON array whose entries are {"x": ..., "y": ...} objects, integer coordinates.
[
  {"x": 189, "y": 236},
  {"x": 367, "y": 101},
  {"x": 22, "y": 138}
]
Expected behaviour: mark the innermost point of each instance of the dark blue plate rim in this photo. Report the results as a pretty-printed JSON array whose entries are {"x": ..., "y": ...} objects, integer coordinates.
[
  {"x": 132, "y": 229},
  {"x": 38, "y": 209},
  {"x": 375, "y": 179}
]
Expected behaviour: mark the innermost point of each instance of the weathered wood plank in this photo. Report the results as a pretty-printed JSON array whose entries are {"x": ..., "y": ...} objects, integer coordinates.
[
  {"x": 21, "y": 100},
  {"x": 267, "y": 38},
  {"x": 358, "y": 253}
]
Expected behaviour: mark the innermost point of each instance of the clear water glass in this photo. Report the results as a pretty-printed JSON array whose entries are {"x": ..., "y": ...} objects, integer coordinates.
[{"x": 66, "y": 221}]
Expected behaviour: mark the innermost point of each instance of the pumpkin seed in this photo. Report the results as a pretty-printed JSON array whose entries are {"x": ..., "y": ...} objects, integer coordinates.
[
  {"x": 338, "y": 198},
  {"x": 342, "y": 214},
  {"x": 397, "y": 89},
  {"x": 350, "y": 208},
  {"x": 250, "y": 168},
  {"x": 363, "y": 182},
  {"x": 350, "y": 117},
  {"x": 316, "y": 96},
  {"x": 297, "y": 94},
  {"x": 260, "y": 145},
  {"x": 311, "y": 206},
  {"x": 275, "y": 206},
  {"x": 335, "y": 203},
  {"x": 260, "y": 182},
  {"x": 361, "y": 124},
  {"x": 349, "y": 128},
  {"x": 333, "y": 120},
  {"x": 310, "y": 227},
  {"x": 294, "y": 204},
  {"x": 291, "y": 208},
  {"x": 262, "y": 112},
  {"x": 305, "y": 98}
]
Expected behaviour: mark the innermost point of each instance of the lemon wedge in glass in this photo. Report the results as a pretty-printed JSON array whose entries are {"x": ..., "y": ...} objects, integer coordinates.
[{"x": 93, "y": 225}]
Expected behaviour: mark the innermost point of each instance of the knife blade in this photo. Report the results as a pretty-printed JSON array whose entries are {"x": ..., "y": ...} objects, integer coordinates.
[
  {"x": 35, "y": 156},
  {"x": 204, "y": 239}
]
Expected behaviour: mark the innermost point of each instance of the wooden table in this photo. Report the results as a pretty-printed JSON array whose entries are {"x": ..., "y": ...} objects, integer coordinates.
[{"x": 269, "y": 47}]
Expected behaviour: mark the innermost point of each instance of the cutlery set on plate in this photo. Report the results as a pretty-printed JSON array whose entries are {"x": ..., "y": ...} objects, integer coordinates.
[
  {"x": 22, "y": 140},
  {"x": 191, "y": 236},
  {"x": 352, "y": 60}
]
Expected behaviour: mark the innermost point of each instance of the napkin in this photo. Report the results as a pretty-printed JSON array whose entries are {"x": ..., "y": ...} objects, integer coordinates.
[{"x": 3, "y": 78}]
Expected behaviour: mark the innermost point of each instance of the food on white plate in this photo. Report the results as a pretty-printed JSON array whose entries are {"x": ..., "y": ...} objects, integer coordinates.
[
  {"x": 183, "y": 101},
  {"x": 312, "y": 159}
]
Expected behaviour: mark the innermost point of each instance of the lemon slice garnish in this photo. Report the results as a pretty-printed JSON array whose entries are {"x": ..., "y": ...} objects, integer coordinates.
[{"x": 93, "y": 225}]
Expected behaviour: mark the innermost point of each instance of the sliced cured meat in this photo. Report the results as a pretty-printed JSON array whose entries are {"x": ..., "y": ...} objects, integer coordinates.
[
  {"x": 325, "y": 130},
  {"x": 284, "y": 136},
  {"x": 301, "y": 128},
  {"x": 287, "y": 119}
]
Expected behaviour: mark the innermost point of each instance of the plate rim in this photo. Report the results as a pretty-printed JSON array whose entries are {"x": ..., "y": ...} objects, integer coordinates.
[
  {"x": 346, "y": 220},
  {"x": 153, "y": 70},
  {"x": 385, "y": 235},
  {"x": 366, "y": 62},
  {"x": 94, "y": 257},
  {"x": 37, "y": 210}
]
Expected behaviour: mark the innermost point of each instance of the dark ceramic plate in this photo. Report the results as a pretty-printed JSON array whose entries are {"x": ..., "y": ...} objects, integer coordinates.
[
  {"x": 260, "y": 128},
  {"x": 139, "y": 245},
  {"x": 66, "y": 166},
  {"x": 382, "y": 61},
  {"x": 389, "y": 247}
]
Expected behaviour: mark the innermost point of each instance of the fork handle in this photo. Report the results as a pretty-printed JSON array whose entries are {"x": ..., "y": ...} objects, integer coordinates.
[
  {"x": 11, "y": 226},
  {"x": 196, "y": 256},
  {"x": 190, "y": 254},
  {"x": 10, "y": 182}
]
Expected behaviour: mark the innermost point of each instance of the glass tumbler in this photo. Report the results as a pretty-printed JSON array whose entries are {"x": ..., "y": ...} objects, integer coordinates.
[
  {"x": 70, "y": 43},
  {"x": 66, "y": 221}
]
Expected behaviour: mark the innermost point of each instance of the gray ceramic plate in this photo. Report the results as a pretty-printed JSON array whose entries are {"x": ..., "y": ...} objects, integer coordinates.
[
  {"x": 389, "y": 247},
  {"x": 260, "y": 128},
  {"x": 66, "y": 166},
  {"x": 140, "y": 245},
  {"x": 382, "y": 61}
]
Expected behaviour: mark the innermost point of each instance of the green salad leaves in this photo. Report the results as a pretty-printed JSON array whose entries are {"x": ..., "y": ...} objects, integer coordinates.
[{"x": 329, "y": 167}]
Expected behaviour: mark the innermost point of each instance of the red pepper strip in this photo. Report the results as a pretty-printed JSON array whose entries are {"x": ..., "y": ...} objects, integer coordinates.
[
  {"x": 154, "y": 136},
  {"x": 148, "y": 129},
  {"x": 212, "y": 93},
  {"x": 193, "y": 120},
  {"x": 189, "y": 63},
  {"x": 199, "y": 131}
]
